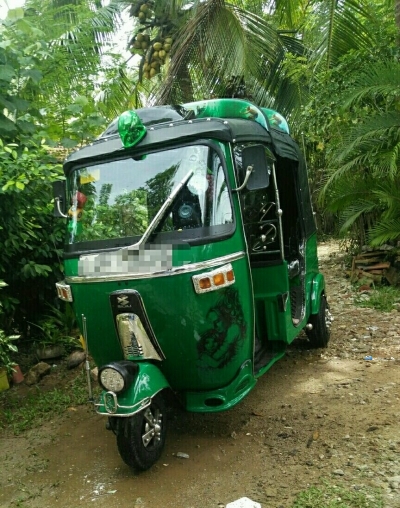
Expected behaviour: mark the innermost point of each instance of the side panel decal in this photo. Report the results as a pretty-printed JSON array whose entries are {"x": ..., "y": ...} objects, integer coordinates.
[{"x": 219, "y": 344}]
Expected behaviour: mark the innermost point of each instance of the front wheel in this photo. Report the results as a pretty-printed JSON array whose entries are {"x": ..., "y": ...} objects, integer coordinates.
[
  {"x": 141, "y": 437},
  {"x": 321, "y": 326}
]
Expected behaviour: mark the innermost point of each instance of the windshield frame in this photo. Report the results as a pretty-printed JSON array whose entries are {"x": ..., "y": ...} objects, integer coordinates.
[{"x": 188, "y": 237}]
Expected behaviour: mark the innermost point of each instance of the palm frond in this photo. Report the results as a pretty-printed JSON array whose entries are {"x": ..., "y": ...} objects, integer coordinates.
[
  {"x": 351, "y": 214},
  {"x": 376, "y": 203},
  {"x": 342, "y": 27},
  {"x": 376, "y": 81},
  {"x": 372, "y": 144},
  {"x": 220, "y": 41},
  {"x": 349, "y": 190},
  {"x": 385, "y": 231}
]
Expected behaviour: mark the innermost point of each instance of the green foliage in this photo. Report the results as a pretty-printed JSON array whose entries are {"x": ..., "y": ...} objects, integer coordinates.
[
  {"x": 21, "y": 50},
  {"x": 382, "y": 298},
  {"x": 334, "y": 496},
  {"x": 349, "y": 119},
  {"x": 30, "y": 236},
  {"x": 57, "y": 78},
  {"x": 78, "y": 76},
  {"x": 7, "y": 347},
  {"x": 364, "y": 180},
  {"x": 81, "y": 122},
  {"x": 218, "y": 49},
  {"x": 57, "y": 328}
]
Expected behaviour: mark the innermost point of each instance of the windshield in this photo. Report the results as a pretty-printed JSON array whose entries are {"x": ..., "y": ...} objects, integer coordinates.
[{"x": 118, "y": 199}]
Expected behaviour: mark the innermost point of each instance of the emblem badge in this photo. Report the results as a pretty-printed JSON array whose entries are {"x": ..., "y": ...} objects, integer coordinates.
[{"x": 123, "y": 301}]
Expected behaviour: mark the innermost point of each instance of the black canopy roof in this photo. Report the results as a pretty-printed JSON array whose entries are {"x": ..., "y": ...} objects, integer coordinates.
[
  {"x": 169, "y": 125},
  {"x": 109, "y": 145}
]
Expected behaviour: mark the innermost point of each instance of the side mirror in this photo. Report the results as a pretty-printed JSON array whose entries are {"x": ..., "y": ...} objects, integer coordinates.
[
  {"x": 59, "y": 190},
  {"x": 256, "y": 156}
]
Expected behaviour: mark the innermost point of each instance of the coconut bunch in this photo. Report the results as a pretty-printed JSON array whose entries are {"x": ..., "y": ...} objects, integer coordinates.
[{"x": 154, "y": 50}]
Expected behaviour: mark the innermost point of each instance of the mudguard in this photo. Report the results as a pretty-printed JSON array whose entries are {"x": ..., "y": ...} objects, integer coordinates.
[
  {"x": 317, "y": 289},
  {"x": 148, "y": 382}
]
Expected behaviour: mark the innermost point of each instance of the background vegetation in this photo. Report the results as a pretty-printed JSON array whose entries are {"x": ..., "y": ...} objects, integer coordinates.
[{"x": 67, "y": 67}]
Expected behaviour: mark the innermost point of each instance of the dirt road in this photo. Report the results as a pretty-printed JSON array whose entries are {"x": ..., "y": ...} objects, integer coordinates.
[{"x": 325, "y": 414}]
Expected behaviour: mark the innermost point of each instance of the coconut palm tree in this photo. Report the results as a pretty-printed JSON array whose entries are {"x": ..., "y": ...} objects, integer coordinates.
[
  {"x": 237, "y": 47},
  {"x": 218, "y": 48},
  {"x": 364, "y": 183}
]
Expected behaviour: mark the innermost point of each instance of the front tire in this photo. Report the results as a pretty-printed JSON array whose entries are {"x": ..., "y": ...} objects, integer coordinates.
[
  {"x": 320, "y": 333},
  {"x": 141, "y": 437}
]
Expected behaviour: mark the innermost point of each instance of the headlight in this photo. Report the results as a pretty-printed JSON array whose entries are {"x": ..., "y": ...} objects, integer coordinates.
[
  {"x": 117, "y": 376},
  {"x": 112, "y": 380}
]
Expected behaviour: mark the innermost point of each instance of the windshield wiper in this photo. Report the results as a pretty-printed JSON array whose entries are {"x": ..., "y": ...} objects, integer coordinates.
[{"x": 160, "y": 214}]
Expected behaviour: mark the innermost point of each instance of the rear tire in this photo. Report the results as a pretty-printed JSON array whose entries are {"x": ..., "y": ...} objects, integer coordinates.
[
  {"x": 320, "y": 334},
  {"x": 141, "y": 437}
]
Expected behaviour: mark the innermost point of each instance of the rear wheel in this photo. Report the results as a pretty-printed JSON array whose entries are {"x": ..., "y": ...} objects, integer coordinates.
[
  {"x": 321, "y": 325},
  {"x": 141, "y": 437}
]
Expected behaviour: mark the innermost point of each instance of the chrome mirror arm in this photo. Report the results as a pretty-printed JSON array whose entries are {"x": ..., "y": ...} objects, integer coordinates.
[
  {"x": 57, "y": 201},
  {"x": 249, "y": 170}
]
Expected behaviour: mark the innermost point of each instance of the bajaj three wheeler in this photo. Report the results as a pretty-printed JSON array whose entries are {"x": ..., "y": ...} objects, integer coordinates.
[{"x": 190, "y": 260}]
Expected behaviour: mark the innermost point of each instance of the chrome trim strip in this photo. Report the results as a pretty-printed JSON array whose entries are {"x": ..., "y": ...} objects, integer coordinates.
[
  {"x": 279, "y": 213},
  {"x": 188, "y": 268}
]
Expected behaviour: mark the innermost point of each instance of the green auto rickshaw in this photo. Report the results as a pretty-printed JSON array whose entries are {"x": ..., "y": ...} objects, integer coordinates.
[{"x": 190, "y": 260}]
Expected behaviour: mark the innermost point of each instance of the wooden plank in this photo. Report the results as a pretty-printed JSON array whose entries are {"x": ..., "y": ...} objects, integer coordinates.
[
  {"x": 377, "y": 266},
  {"x": 369, "y": 254},
  {"x": 366, "y": 261},
  {"x": 375, "y": 278}
]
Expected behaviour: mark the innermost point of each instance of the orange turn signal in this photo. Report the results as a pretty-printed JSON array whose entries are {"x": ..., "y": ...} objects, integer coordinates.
[
  {"x": 64, "y": 292},
  {"x": 216, "y": 279},
  {"x": 205, "y": 283}
]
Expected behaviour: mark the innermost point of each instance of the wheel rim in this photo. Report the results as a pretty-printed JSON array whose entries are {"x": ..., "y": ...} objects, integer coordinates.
[
  {"x": 328, "y": 318},
  {"x": 153, "y": 427}
]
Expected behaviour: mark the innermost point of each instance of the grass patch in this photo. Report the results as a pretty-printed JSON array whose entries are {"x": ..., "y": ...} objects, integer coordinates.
[
  {"x": 20, "y": 414},
  {"x": 333, "y": 496},
  {"x": 382, "y": 298}
]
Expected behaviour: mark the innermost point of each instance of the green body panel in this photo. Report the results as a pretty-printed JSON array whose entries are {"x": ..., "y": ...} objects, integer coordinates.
[
  {"x": 227, "y": 108},
  {"x": 269, "y": 282},
  {"x": 311, "y": 254},
  {"x": 272, "y": 287},
  {"x": 318, "y": 287},
  {"x": 315, "y": 281},
  {"x": 182, "y": 322},
  {"x": 222, "y": 398},
  {"x": 147, "y": 383}
]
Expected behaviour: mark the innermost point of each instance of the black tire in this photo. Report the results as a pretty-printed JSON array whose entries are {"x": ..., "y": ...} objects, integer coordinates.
[
  {"x": 321, "y": 326},
  {"x": 141, "y": 437}
]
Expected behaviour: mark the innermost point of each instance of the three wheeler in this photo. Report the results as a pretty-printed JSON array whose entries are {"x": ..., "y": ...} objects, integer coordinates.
[{"x": 190, "y": 260}]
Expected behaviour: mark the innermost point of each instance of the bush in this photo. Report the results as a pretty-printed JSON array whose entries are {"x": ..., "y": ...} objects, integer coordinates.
[{"x": 29, "y": 234}]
